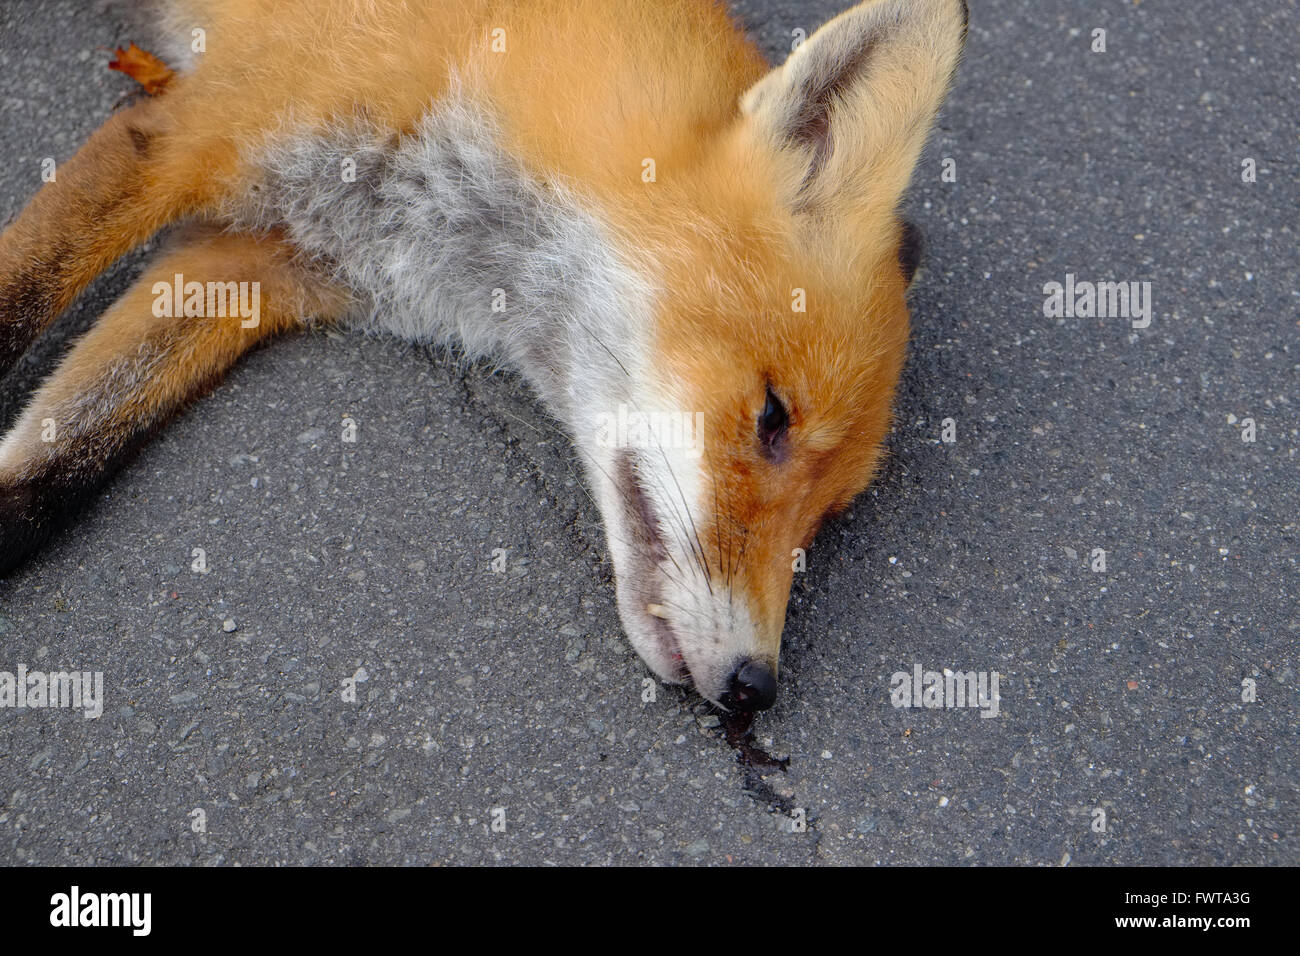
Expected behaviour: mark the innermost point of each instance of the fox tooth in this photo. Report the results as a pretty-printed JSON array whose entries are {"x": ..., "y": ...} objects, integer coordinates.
[{"x": 657, "y": 610}]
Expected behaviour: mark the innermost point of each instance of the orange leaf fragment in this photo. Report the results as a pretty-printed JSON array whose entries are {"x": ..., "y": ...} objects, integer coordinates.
[{"x": 143, "y": 67}]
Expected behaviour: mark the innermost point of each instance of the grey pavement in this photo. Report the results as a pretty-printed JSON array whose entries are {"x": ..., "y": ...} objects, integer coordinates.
[{"x": 1121, "y": 690}]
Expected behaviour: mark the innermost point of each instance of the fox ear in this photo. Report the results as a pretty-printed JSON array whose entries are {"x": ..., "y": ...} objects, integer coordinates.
[{"x": 849, "y": 111}]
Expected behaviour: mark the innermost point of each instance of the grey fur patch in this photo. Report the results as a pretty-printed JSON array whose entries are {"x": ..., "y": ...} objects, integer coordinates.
[{"x": 446, "y": 238}]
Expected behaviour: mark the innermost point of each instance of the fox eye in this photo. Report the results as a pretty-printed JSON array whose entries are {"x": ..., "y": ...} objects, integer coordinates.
[{"x": 772, "y": 424}]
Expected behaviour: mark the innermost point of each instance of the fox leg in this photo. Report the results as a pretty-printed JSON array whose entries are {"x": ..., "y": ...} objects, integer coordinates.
[
  {"x": 135, "y": 368},
  {"x": 127, "y": 182}
]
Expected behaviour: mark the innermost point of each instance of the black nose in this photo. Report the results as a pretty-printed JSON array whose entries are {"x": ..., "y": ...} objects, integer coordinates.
[{"x": 752, "y": 687}]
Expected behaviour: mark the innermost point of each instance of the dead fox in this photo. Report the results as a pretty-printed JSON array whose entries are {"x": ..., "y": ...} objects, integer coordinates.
[{"x": 695, "y": 260}]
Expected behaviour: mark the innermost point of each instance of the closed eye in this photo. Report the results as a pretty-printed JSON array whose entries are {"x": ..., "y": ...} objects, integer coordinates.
[{"x": 773, "y": 422}]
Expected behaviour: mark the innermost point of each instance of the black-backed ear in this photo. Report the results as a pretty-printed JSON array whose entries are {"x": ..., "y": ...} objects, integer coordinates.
[
  {"x": 911, "y": 250},
  {"x": 850, "y": 110}
]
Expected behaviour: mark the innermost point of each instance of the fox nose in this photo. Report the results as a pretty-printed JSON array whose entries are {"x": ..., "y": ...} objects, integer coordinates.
[{"x": 752, "y": 687}]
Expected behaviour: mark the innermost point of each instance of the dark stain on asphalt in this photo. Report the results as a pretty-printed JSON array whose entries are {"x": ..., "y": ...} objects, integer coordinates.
[{"x": 738, "y": 731}]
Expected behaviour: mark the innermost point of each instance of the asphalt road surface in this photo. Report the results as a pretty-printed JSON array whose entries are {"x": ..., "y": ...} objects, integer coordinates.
[{"x": 1122, "y": 734}]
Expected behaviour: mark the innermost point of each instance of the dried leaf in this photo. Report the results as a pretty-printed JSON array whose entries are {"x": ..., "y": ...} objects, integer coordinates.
[{"x": 143, "y": 67}]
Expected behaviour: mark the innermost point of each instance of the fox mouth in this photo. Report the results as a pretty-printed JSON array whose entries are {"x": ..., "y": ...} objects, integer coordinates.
[
  {"x": 668, "y": 642},
  {"x": 648, "y": 551}
]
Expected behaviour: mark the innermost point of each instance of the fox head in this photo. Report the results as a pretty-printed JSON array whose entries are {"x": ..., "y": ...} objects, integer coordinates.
[{"x": 777, "y": 337}]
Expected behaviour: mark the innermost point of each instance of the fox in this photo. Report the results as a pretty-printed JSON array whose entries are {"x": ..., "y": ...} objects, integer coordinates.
[{"x": 624, "y": 203}]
